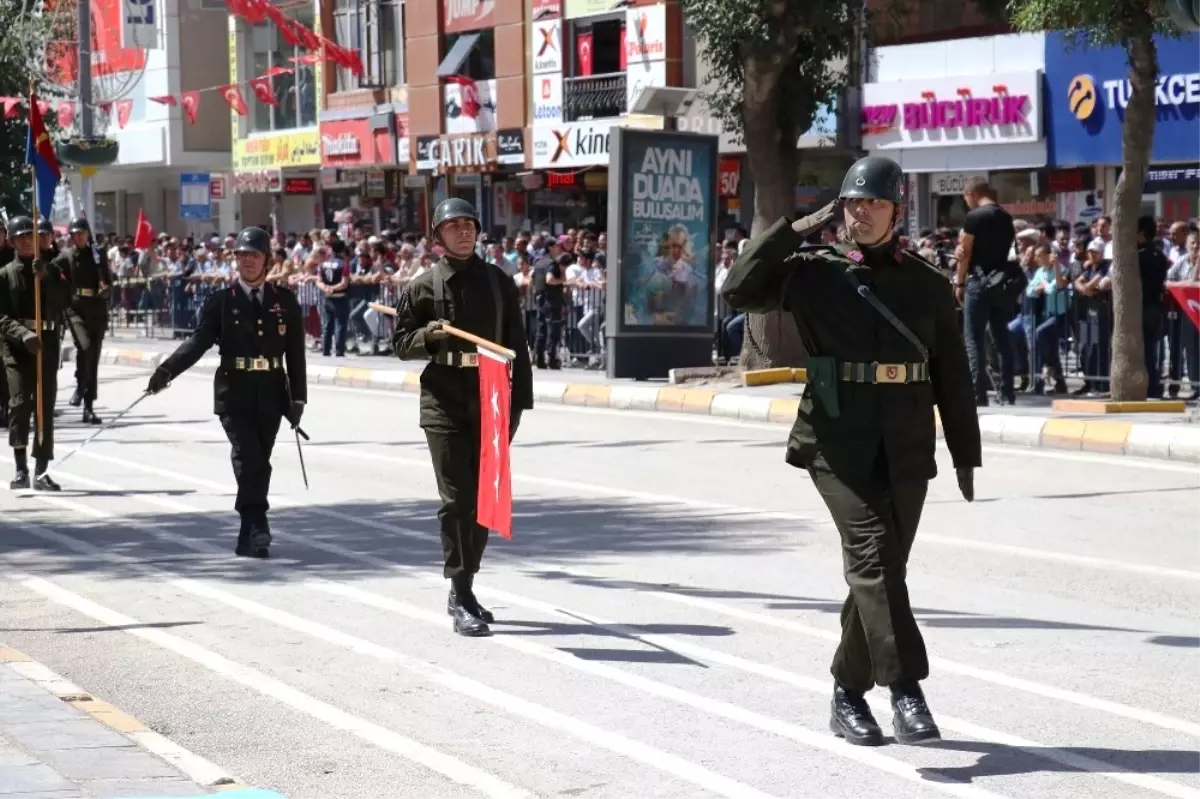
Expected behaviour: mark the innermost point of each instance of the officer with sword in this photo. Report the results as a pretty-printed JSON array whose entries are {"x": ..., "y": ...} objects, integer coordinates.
[{"x": 261, "y": 380}]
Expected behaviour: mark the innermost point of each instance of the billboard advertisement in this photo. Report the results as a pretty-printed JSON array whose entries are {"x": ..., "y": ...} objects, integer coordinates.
[{"x": 667, "y": 201}]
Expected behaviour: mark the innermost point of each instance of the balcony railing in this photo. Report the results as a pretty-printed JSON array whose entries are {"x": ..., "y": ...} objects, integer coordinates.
[{"x": 594, "y": 97}]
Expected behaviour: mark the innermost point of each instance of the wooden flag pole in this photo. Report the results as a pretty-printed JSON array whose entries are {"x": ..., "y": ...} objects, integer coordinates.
[
  {"x": 478, "y": 341},
  {"x": 37, "y": 314}
]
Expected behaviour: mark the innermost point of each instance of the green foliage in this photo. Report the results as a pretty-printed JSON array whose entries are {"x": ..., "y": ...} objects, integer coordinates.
[
  {"x": 22, "y": 48},
  {"x": 796, "y": 39},
  {"x": 1097, "y": 22}
]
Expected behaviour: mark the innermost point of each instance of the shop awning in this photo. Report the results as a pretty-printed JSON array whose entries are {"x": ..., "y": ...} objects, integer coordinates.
[{"x": 452, "y": 63}]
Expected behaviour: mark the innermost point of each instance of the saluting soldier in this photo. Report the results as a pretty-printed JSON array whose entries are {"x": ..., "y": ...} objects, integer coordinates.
[
  {"x": 463, "y": 290},
  {"x": 884, "y": 348},
  {"x": 20, "y": 345},
  {"x": 261, "y": 380},
  {"x": 88, "y": 315}
]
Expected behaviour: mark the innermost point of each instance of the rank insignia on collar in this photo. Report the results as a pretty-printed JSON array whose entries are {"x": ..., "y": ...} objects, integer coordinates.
[{"x": 856, "y": 256}]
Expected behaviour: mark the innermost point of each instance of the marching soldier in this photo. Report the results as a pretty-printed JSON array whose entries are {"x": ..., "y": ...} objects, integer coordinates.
[
  {"x": 259, "y": 330},
  {"x": 464, "y": 290},
  {"x": 879, "y": 324},
  {"x": 20, "y": 345},
  {"x": 88, "y": 315},
  {"x": 7, "y": 254}
]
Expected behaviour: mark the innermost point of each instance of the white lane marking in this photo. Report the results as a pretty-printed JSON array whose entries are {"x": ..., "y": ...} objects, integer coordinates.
[
  {"x": 1102, "y": 564},
  {"x": 961, "y": 726},
  {"x": 42, "y": 675},
  {"x": 1017, "y": 452},
  {"x": 1118, "y": 709},
  {"x": 725, "y": 710},
  {"x": 450, "y": 767},
  {"x": 661, "y": 760}
]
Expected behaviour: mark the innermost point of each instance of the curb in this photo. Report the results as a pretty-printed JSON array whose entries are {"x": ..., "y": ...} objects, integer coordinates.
[
  {"x": 1176, "y": 442},
  {"x": 197, "y": 769}
]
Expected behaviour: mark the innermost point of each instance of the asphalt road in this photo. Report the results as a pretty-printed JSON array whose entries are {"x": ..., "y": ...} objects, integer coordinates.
[{"x": 667, "y": 611}]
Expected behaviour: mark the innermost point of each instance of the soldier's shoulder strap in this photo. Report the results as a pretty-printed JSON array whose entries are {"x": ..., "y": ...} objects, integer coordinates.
[
  {"x": 916, "y": 258},
  {"x": 439, "y": 292},
  {"x": 497, "y": 298},
  {"x": 876, "y": 303}
]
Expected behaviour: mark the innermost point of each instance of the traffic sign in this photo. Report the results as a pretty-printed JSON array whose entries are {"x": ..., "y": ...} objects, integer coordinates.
[{"x": 195, "y": 198}]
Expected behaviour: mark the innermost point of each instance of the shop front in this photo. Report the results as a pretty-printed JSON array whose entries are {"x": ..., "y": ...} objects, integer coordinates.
[
  {"x": 359, "y": 170},
  {"x": 471, "y": 166},
  {"x": 277, "y": 178},
  {"x": 571, "y": 187},
  {"x": 1086, "y": 93},
  {"x": 945, "y": 129}
]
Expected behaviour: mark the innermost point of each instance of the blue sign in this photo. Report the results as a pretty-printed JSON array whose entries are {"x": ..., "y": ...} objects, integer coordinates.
[
  {"x": 1087, "y": 90},
  {"x": 194, "y": 198}
]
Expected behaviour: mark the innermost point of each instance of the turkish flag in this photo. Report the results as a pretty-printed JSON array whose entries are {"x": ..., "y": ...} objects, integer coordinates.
[
  {"x": 583, "y": 49},
  {"x": 262, "y": 90},
  {"x": 191, "y": 105},
  {"x": 143, "y": 238},
  {"x": 233, "y": 96},
  {"x": 494, "y": 505},
  {"x": 66, "y": 113},
  {"x": 124, "y": 109},
  {"x": 1188, "y": 297},
  {"x": 468, "y": 93}
]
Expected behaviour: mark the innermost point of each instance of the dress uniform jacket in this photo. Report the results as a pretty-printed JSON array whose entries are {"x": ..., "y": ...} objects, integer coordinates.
[
  {"x": 472, "y": 297},
  {"x": 254, "y": 348},
  {"x": 778, "y": 272},
  {"x": 88, "y": 314}
]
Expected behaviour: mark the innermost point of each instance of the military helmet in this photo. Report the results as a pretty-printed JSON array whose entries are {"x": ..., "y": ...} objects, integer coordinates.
[
  {"x": 874, "y": 178},
  {"x": 253, "y": 239},
  {"x": 80, "y": 224},
  {"x": 454, "y": 208},
  {"x": 20, "y": 226},
  {"x": 45, "y": 226}
]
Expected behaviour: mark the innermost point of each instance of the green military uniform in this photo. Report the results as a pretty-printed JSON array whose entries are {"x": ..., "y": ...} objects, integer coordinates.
[
  {"x": 262, "y": 380},
  {"x": 865, "y": 430},
  {"x": 17, "y": 348},
  {"x": 479, "y": 298},
  {"x": 7, "y": 254},
  {"x": 88, "y": 315}
]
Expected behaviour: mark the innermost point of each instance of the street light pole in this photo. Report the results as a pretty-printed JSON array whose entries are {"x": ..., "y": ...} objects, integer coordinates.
[{"x": 87, "y": 119}]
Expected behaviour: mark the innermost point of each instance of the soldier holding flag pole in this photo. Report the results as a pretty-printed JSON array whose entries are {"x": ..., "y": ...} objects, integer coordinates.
[{"x": 481, "y": 300}]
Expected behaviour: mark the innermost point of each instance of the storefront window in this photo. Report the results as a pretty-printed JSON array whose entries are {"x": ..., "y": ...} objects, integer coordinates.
[
  {"x": 375, "y": 30},
  {"x": 295, "y": 90}
]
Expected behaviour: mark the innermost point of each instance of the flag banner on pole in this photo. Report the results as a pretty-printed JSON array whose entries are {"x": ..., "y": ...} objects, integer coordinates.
[
  {"x": 494, "y": 506},
  {"x": 39, "y": 154},
  {"x": 1188, "y": 297}
]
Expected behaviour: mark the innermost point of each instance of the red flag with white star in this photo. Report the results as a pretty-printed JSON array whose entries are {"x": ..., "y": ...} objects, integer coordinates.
[{"x": 494, "y": 502}]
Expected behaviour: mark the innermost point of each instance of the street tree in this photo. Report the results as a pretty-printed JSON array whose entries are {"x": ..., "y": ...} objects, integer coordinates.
[
  {"x": 771, "y": 63},
  {"x": 1130, "y": 25}
]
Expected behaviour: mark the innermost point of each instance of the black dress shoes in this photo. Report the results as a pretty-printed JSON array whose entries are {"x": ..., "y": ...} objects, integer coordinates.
[
  {"x": 850, "y": 718},
  {"x": 911, "y": 720}
]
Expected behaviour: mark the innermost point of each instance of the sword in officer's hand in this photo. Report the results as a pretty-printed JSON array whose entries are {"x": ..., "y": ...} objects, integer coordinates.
[
  {"x": 303, "y": 471},
  {"x": 58, "y": 464}
]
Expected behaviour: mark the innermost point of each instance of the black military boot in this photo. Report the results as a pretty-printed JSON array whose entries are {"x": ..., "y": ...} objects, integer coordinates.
[
  {"x": 89, "y": 416},
  {"x": 850, "y": 718},
  {"x": 466, "y": 623},
  {"x": 43, "y": 482},
  {"x": 254, "y": 539},
  {"x": 911, "y": 720},
  {"x": 76, "y": 398},
  {"x": 471, "y": 602},
  {"x": 20, "y": 480}
]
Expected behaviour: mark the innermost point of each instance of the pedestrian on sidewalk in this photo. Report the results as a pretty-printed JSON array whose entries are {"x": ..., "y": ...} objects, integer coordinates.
[
  {"x": 464, "y": 290},
  {"x": 880, "y": 328},
  {"x": 261, "y": 381}
]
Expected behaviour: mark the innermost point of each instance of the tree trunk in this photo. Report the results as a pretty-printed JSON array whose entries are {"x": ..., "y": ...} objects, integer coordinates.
[
  {"x": 771, "y": 340},
  {"x": 1129, "y": 379}
]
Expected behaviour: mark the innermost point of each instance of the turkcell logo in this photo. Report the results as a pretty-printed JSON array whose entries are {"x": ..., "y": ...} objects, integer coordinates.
[
  {"x": 545, "y": 112},
  {"x": 1083, "y": 95}
]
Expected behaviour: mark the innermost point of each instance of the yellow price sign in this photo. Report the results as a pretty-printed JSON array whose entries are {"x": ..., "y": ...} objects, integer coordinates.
[{"x": 278, "y": 151}]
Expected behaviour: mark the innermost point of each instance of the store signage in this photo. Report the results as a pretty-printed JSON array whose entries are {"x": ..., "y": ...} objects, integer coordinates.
[
  {"x": 546, "y": 45},
  {"x": 547, "y": 99},
  {"x": 729, "y": 176},
  {"x": 562, "y": 180},
  {"x": 543, "y": 9},
  {"x": 340, "y": 146},
  {"x": 646, "y": 33},
  {"x": 299, "y": 185},
  {"x": 265, "y": 181},
  {"x": 573, "y": 9},
  {"x": 216, "y": 187},
  {"x": 642, "y": 75},
  {"x": 478, "y": 152},
  {"x": 952, "y": 183},
  {"x": 1087, "y": 91},
  {"x": 980, "y": 109},
  {"x": 467, "y": 15},
  {"x": 572, "y": 145},
  {"x": 277, "y": 151}
]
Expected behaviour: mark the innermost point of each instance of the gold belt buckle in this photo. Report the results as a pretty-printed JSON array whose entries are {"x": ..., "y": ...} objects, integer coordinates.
[
  {"x": 259, "y": 365},
  {"x": 87, "y": 293},
  {"x": 891, "y": 373}
]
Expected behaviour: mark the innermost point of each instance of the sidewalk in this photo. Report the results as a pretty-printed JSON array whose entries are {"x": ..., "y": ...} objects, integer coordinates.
[
  {"x": 59, "y": 742},
  {"x": 1031, "y": 423}
]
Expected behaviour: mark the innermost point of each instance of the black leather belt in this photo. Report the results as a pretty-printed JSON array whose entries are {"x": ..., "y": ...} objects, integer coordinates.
[
  {"x": 886, "y": 373},
  {"x": 256, "y": 364},
  {"x": 47, "y": 324},
  {"x": 464, "y": 360}
]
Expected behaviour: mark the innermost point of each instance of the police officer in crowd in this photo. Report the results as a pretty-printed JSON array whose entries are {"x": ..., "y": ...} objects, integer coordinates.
[
  {"x": 261, "y": 381},
  {"x": 21, "y": 342},
  {"x": 884, "y": 347},
  {"x": 333, "y": 279},
  {"x": 88, "y": 315},
  {"x": 549, "y": 295},
  {"x": 463, "y": 290}
]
